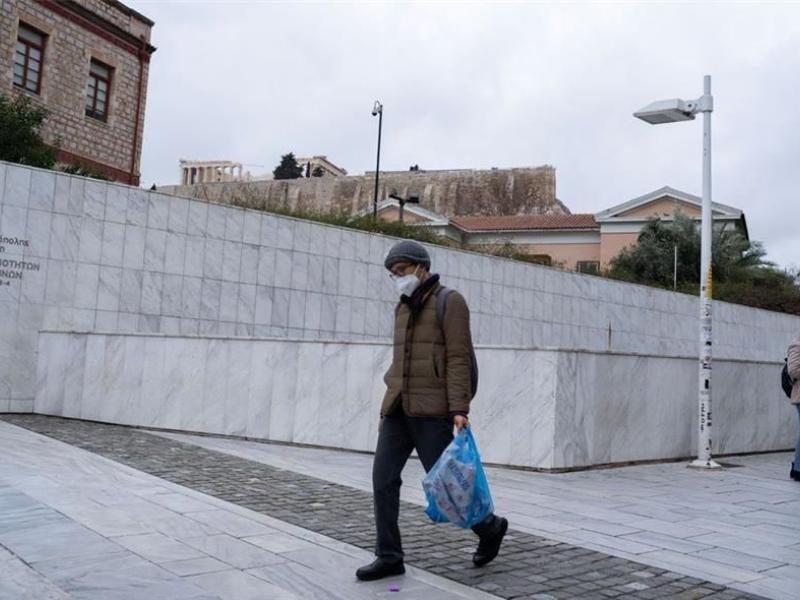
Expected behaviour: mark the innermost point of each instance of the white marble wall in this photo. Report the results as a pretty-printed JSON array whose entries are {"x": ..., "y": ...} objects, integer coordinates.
[
  {"x": 120, "y": 259},
  {"x": 545, "y": 409},
  {"x": 614, "y": 408}
]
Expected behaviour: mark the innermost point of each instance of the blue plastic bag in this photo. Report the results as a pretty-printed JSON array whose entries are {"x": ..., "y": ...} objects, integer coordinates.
[{"x": 456, "y": 487}]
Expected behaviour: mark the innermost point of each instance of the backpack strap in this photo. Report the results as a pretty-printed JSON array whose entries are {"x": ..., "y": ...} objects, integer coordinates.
[{"x": 441, "y": 304}]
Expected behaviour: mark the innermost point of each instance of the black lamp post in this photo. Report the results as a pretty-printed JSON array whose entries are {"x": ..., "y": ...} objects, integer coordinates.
[
  {"x": 412, "y": 199},
  {"x": 377, "y": 110}
]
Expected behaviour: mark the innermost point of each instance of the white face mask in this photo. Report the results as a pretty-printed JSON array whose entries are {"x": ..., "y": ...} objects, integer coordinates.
[{"x": 407, "y": 283}]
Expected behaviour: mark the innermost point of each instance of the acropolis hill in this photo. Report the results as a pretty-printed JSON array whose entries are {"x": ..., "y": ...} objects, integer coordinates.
[{"x": 517, "y": 191}]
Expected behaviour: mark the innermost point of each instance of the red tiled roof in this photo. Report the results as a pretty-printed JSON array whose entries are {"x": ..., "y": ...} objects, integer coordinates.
[{"x": 525, "y": 222}]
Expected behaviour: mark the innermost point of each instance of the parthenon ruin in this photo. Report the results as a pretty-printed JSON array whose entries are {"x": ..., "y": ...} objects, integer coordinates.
[{"x": 209, "y": 171}]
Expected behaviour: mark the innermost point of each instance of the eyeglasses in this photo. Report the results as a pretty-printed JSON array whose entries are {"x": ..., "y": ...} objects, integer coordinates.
[{"x": 400, "y": 270}]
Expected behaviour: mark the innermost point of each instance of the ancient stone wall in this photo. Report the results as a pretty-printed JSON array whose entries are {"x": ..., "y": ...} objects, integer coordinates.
[{"x": 451, "y": 193}]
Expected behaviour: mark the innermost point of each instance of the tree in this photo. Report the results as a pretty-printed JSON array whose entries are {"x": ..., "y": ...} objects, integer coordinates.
[
  {"x": 741, "y": 272},
  {"x": 652, "y": 259},
  {"x": 288, "y": 168},
  {"x": 21, "y": 141}
]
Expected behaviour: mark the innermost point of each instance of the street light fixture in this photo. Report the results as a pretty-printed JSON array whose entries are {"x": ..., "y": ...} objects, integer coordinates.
[
  {"x": 672, "y": 111},
  {"x": 377, "y": 111},
  {"x": 412, "y": 199}
]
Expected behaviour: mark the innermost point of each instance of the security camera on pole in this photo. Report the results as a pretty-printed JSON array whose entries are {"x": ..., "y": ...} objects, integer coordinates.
[{"x": 671, "y": 111}]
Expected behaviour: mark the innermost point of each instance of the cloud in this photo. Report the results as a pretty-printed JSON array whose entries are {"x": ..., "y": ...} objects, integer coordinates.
[{"x": 474, "y": 85}]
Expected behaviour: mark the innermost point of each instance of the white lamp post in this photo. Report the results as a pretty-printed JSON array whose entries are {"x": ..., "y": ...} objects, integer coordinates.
[{"x": 671, "y": 111}]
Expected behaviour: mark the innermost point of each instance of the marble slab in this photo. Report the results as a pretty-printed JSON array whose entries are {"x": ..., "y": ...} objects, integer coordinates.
[{"x": 534, "y": 408}]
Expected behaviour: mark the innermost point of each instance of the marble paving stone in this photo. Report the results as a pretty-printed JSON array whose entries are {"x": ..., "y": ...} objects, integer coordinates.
[
  {"x": 195, "y": 566},
  {"x": 309, "y": 583},
  {"x": 229, "y": 523},
  {"x": 678, "y": 561},
  {"x": 181, "y": 527},
  {"x": 21, "y": 582},
  {"x": 665, "y": 541},
  {"x": 741, "y": 559},
  {"x": 180, "y": 503},
  {"x": 133, "y": 583},
  {"x": 158, "y": 548},
  {"x": 238, "y": 585},
  {"x": 61, "y": 570},
  {"x": 276, "y": 542},
  {"x": 236, "y": 553},
  {"x": 57, "y": 540}
]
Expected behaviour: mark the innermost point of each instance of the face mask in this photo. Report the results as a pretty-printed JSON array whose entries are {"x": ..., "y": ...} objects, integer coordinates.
[{"x": 407, "y": 283}]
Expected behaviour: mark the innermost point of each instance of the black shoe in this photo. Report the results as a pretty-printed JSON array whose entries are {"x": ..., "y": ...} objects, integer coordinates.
[
  {"x": 489, "y": 545},
  {"x": 794, "y": 474},
  {"x": 379, "y": 569}
]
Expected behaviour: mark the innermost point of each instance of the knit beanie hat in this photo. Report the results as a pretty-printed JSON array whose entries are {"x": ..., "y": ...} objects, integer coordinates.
[{"x": 408, "y": 251}]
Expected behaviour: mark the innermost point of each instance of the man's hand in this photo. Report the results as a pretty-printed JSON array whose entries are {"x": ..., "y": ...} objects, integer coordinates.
[{"x": 460, "y": 421}]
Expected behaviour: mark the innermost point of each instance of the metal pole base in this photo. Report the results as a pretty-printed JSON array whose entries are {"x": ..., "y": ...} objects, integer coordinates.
[{"x": 704, "y": 464}]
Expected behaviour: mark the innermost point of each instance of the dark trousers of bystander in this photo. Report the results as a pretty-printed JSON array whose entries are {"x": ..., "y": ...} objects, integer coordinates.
[{"x": 399, "y": 435}]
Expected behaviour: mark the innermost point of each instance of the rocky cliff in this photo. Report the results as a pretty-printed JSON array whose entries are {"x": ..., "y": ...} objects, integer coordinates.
[{"x": 523, "y": 191}]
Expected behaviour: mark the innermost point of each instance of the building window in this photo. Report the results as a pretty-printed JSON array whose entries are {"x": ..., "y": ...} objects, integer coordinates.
[
  {"x": 97, "y": 90},
  {"x": 28, "y": 59},
  {"x": 590, "y": 267}
]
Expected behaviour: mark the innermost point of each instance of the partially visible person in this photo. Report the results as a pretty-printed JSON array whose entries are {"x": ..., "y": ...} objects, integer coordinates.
[{"x": 793, "y": 363}]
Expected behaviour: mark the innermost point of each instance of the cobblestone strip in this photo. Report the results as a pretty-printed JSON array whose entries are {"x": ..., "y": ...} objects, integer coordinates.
[{"x": 529, "y": 567}]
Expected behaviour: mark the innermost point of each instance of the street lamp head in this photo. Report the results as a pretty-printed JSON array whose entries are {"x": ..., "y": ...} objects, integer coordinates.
[
  {"x": 377, "y": 109},
  {"x": 667, "y": 111}
]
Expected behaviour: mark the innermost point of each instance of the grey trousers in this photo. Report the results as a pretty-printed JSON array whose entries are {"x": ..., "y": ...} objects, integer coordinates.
[{"x": 399, "y": 435}]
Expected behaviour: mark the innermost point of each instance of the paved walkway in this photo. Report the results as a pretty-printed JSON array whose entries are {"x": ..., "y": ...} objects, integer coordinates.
[
  {"x": 739, "y": 527},
  {"x": 612, "y": 511},
  {"x": 75, "y": 525}
]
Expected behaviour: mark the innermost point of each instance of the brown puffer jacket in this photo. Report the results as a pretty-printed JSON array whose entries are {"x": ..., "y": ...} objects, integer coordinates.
[{"x": 429, "y": 373}]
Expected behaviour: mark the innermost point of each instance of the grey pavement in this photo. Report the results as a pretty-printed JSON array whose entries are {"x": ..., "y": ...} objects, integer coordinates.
[
  {"x": 734, "y": 528},
  {"x": 739, "y": 527},
  {"x": 75, "y": 525}
]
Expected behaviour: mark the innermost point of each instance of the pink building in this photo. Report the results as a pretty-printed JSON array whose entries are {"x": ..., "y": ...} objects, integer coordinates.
[{"x": 580, "y": 242}]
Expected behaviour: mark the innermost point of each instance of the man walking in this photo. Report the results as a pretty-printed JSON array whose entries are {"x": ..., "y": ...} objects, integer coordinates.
[{"x": 428, "y": 391}]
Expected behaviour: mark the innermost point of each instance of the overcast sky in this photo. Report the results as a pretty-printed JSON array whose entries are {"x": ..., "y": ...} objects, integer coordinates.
[{"x": 479, "y": 85}]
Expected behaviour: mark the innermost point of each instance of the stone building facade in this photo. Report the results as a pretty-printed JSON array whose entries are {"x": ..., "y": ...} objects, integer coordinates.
[
  {"x": 87, "y": 62},
  {"x": 518, "y": 191}
]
